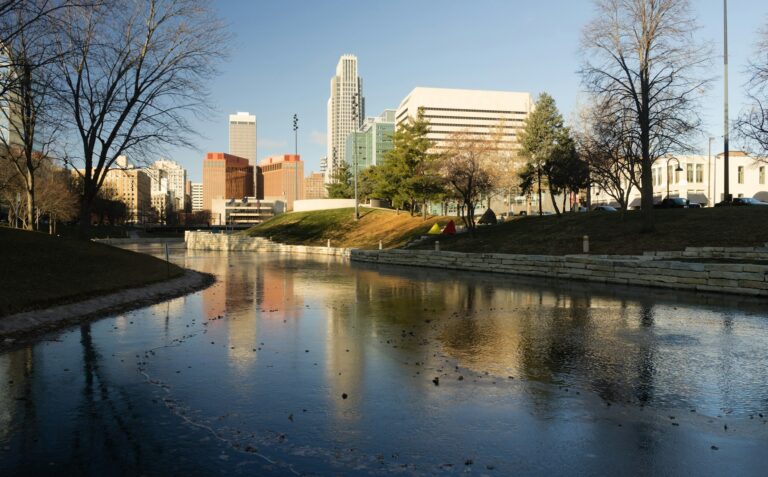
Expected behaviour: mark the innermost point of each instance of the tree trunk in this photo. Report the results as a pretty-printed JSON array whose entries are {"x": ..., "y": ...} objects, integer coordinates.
[
  {"x": 538, "y": 174},
  {"x": 646, "y": 179},
  {"x": 554, "y": 202}
]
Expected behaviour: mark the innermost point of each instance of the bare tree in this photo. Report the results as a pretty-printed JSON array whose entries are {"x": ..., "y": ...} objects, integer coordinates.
[
  {"x": 752, "y": 125},
  {"x": 608, "y": 145},
  {"x": 464, "y": 165},
  {"x": 643, "y": 61},
  {"x": 137, "y": 72},
  {"x": 56, "y": 198}
]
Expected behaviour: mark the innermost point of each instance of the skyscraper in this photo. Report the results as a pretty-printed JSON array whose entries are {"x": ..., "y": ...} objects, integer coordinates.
[
  {"x": 346, "y": 110},
  {"x": 226, "y": 177},
  {"x": 242, "y": 138}
]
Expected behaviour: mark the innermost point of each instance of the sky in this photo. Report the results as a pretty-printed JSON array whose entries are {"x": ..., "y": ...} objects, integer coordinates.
[{"x": 284, "y": 52}]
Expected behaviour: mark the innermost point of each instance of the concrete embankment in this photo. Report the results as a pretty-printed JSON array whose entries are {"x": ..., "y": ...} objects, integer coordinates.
[{"x": 692, "y": 269}]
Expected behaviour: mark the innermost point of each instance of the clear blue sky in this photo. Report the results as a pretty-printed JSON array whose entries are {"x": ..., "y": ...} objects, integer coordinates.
[{"x": 284, "y": 53}]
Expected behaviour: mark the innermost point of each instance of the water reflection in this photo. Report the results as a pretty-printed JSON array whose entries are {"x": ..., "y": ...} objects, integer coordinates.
[{"x": 364, "y": 369}]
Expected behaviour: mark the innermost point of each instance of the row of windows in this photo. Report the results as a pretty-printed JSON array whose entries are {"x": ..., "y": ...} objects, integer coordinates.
[
  {"x": 695, "y": 174},
  {"x": 473, "y": 133},
  {"x": 494, "y": 126},
  {"x": 498, "y": 120},
  {"x": 425, "y": 108}
]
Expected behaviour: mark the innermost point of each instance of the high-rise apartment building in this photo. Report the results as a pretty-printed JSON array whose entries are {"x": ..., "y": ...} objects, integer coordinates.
[
  {"x": 196, "y": 193},
  {"x": 314, "y": 186},
  {"x": 283, "y": 178},
  {"x": 346, "y": 110},
  {"x": 372, "y": 141},
  {"x": 226, "y": 177},
  {"x": 482, "y": 113},
  {"x": 168, "y": 177}
]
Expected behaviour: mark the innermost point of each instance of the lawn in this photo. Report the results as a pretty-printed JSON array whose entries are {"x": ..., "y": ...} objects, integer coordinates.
[
  {"x": 610, "y": 234},
  {"x": 38, "y": 270},
  {"x": 339, "y": 225}
]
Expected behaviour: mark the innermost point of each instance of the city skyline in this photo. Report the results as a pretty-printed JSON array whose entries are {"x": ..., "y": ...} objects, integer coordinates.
[{"x": 274, "y": 80}]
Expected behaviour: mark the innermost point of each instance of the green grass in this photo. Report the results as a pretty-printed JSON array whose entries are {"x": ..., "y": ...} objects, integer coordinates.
[
  {"x": 339, "y": 225},
  {"x": 609, "y": 234},
  {"x": 39, "y": 270}
]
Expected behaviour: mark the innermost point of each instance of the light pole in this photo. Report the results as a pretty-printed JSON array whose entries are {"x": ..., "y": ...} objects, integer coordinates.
[
  {"x": 710, "y": 178},
  {"x": 726, "y": 181},
  {"x": 296, "y": 153},
  {"x": 678, "y": 169},
  {"x": 354, "y": 151}
]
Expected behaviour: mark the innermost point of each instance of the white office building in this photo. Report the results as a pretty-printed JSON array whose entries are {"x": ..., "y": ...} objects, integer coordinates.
[
  {"x": 242, "y": 139},
  {"x": 476, "y": 112},
  {"x": 700, "y": 179},
  {"x": 196, "y": 189},
  {"x": 346, "y": 111}
]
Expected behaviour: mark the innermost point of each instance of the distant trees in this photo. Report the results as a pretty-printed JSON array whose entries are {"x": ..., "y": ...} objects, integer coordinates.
[
  {"x": 752, "y": 125},
  {"x": 644, "y": 64}
]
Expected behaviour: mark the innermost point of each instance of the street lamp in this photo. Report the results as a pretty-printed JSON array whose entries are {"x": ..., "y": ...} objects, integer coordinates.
[
  {"x": 354, "y": 150},
  {"x": 678, "y": 169},
  {"x": 296, "y": 153}
]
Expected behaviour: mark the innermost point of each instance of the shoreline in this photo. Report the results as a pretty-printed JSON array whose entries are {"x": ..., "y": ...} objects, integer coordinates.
[{"x": 34, "y": 323}]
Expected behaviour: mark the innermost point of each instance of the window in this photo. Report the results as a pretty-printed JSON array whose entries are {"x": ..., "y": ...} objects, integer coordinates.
[
  {"x": 699, "y": 173},
  {"x": 689, "y": 172},
  {"x": 761, "y": 174},
  {"x": 740, "y": 174},
  {"x": 670, "y": 177}
]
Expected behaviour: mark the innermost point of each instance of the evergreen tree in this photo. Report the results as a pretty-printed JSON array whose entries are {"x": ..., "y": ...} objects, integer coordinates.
[
  {"x": 542, "y": 131},
  {"x": 341, "y": 186}
]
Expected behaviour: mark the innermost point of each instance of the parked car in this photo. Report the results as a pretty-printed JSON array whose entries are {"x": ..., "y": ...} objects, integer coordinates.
[
  {"x": 741, "y": 202},
  {"x": 604, "y": 208},
  {"x": 695, "y": 205},
  {"x": 672, "y": 203}
]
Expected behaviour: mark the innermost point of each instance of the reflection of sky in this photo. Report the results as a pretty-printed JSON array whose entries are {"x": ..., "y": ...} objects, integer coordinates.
[{"x": 296, "y": 335}]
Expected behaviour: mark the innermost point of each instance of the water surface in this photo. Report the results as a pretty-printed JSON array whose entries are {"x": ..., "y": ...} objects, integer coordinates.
[{"x": 318, "y": 367}]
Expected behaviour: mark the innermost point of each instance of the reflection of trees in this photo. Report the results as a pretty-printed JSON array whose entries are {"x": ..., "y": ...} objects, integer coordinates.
[{"x": 16, "y": 366}]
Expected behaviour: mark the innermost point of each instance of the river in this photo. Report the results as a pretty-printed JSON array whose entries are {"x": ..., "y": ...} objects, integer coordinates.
[{"x": 314, "y": 366}]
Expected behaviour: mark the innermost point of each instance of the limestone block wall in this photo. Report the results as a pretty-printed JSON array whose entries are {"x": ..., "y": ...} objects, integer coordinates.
[
  {"x": 210, "y": 241},
  {"x": 736, "y": 278}
]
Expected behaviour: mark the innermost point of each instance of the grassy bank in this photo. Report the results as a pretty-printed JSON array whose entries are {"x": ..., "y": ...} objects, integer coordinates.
[
  {"x": 609, "y": 234},
  {"x": 39, "y": 270},
  {"x": 339, "y": 225}
]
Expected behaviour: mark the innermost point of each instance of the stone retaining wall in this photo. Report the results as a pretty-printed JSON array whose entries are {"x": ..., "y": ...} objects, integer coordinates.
[
  {"x": 654, "y": 269},
  {"x": 742, "y": 279},
  {"x": 209, "y": 241}
]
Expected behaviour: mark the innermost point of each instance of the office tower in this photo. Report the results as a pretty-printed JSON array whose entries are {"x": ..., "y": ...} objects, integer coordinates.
[
  {"x": 242, "y": 138},
  {"x": 283, "y": 178},
  {"x": 226, "y": 177},
  {"x": 474, "y": 111},
  {"x": 196, "y": 192},
  {"x": 346, "y": 110},
  {"x": 368, "y": 146},
  {"x": 168, "y": 177},
  {"x": 314, "y": 186}
]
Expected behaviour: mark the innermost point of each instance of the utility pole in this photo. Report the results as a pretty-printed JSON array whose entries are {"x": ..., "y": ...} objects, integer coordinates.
[
  {"x": 726, "y": 165},
  {"x": 709, "y": 173}
]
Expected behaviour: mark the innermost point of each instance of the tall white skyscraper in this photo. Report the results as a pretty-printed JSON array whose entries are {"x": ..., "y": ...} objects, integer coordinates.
[
  {"x": 346, "y": 97},
  {"x": 168, "y": 176}
]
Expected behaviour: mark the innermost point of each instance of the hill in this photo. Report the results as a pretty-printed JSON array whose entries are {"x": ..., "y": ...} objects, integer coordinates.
[
  {"x": 339, "y": 225},
  {"x": 40, "y": 270}
]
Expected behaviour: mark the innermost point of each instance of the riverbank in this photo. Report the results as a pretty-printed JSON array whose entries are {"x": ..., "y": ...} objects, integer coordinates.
[
  {"x": 41, "y": 271},
  {"x": 316, "y": 228},
  {"x": 26, "y": 323}
]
